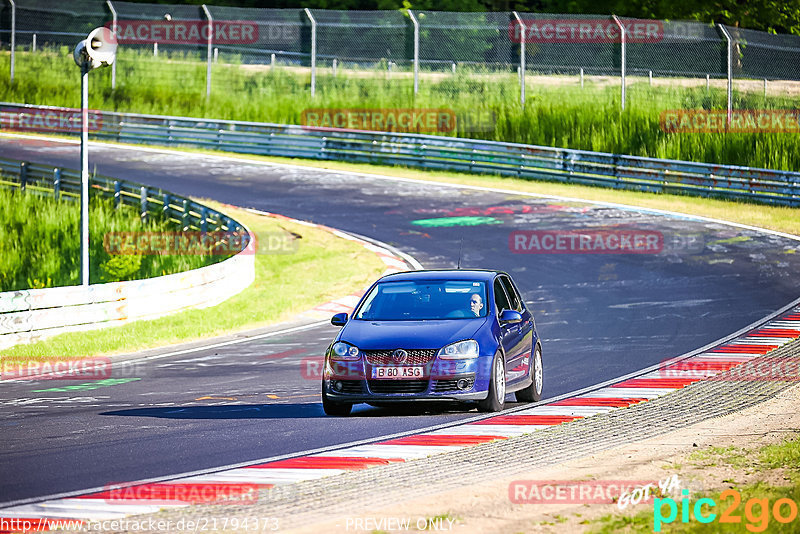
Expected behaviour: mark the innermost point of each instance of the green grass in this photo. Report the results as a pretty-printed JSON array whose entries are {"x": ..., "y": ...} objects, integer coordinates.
[
  {"x": 784, "y": 456},
  {"x": 40, "y": 237},
  {"x": 562, "y": 115},
  {"x": 323, "y": 267}
]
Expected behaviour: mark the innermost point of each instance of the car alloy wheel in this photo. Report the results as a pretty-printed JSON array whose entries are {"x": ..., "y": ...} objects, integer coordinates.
[
  {"x": 533, "y": 392},
  {"x": 495, "y": 401}
]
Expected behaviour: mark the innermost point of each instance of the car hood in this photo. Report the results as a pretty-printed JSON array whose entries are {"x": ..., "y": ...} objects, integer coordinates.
[{"x": 375, "y": 335}]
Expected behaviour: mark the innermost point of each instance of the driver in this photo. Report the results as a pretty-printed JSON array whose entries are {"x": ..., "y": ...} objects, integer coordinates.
[{"x": 476, "y": 304}]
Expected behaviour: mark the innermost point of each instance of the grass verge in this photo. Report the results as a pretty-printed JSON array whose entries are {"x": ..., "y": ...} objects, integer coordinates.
[
  {"x": 754, "y": 507},
  {"x": 487, "y": 102},
  {"x": 322, "y": 267},
  {"x": 47, "y": 254}
]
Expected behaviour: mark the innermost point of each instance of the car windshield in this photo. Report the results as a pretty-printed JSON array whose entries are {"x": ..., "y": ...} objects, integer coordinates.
[{"x": 426, "y": 299}]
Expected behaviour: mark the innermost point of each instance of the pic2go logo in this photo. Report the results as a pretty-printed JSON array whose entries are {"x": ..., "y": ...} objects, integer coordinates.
[{"x": 756, "y": 511}]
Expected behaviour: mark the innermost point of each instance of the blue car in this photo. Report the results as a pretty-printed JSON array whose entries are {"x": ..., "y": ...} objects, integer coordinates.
[{"x": 444, "y": 335}]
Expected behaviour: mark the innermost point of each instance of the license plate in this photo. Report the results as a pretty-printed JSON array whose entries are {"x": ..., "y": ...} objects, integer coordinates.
[{"x": 400, "y": 373}]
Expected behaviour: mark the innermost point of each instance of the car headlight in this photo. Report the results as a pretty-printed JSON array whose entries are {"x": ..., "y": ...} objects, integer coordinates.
[
  {"x": 460, "y": 350},
  {"x": 344, "y": 351}
]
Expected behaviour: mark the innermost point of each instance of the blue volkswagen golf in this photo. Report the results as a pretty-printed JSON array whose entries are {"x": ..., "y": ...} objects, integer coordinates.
[{"x": 457, "y": 335}]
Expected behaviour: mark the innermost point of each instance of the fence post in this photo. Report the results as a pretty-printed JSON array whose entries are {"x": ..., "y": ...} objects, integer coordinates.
[
  {"x": 313, "y": 52},
  {"x": 581, "y": 77},
  {"x": 13, "y": 34},
  {"x": 56, "y": 183},
  {"x": 165, "y": 207},
  {"x": 521, "y": 60},
  {"x": 23, "y": 175},
  {"x": 143, "y": 204},
  {"x": 272, "y": 62},
  {"x": 727, "y": 36},
  {"x": 117, "y": 193},
  {"x": 623, "y": 42},
  {"x": 185, "y": 215},
  {"x": 114, "y": 31},
  {"x": 333, "y": 66},
  {"x": 204, "y": 220},
  {"x": 415, "y": 22},
  {"x": 208, "y": 50},
  {"x": 33, "y": 43}
]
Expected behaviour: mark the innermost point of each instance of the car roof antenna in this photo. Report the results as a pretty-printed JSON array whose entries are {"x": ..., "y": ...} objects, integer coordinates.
[{"x": 460, "y": 248}]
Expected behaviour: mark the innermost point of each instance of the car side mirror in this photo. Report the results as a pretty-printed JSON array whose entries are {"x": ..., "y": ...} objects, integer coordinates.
[
  {"x": 510, "y": 317},
  {"x": 340, "y": 319}
]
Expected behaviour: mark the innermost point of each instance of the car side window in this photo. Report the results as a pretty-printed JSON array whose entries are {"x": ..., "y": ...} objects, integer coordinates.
[
  {"x": 500, "y": 298},
  {"x": 513, "y": 296}
]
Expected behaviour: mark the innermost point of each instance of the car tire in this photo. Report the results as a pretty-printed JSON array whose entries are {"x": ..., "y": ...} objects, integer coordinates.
[
  {"x": 495, "y": 402},
  {"x": 533, "y": 392},
  {"x": 337, "y": 409}
]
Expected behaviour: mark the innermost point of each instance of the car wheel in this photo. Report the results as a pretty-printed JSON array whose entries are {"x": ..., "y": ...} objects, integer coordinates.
[
  {"x": 495, "y": 402},
  {"x": 334, "y": 408},
  {"x": 533, "y": 392}
]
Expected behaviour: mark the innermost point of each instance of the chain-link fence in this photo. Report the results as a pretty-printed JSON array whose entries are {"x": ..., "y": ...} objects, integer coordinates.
[{"x": 411, "y": 55}]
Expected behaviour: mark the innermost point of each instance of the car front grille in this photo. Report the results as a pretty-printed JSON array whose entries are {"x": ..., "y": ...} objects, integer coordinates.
[
  {"x": 415, "y": 356},
  {"x": 398, "y": 386},
  {"x": 451, "y": 384}
]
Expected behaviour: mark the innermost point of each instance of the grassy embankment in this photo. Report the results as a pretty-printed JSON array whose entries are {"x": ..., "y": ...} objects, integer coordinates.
[
  {"x": 40, "y": 237},
  {"x": 780, "y": 461},
  {"x": 322, "y": 267},
  {"x": 557, "y": 113}
]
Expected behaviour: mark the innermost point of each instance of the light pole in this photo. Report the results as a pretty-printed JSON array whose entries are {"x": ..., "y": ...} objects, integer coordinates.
[{"x": 98, "y": 50}]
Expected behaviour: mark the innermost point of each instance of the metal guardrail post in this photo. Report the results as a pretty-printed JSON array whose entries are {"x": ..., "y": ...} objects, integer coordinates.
[
  {"x": 114, "y": 31},
  {"x": 208, "y": 52},
  {"x": 204, "y": 220},
  {"x": 143, "y": 204},
  {"x": 727, "y": 35},
  {"x": 313, "y": 52},
  {"x": 13, "y": 34},
  {"x": 185, "y": 216},
  {"x": 56, "y": 183},
  {"x": 521, "y": 60},
  {"x": 415, "y": 22},
  {"x": 623, "y": 42},
  {"x": 23, "y": 175},
  {"x": 117, "y": 193}
]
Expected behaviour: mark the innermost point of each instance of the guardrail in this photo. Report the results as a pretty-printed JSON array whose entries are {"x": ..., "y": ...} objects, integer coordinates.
[
  {"x": 423, "y": 151},
  {"x": 33, "y": 314}
]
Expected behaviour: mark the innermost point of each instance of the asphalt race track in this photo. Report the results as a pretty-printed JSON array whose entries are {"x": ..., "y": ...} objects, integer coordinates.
[{"x": 600, "y": 316}]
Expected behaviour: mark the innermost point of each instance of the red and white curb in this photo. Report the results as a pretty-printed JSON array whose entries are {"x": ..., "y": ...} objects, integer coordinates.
[{"x": 242, "y": 482}]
